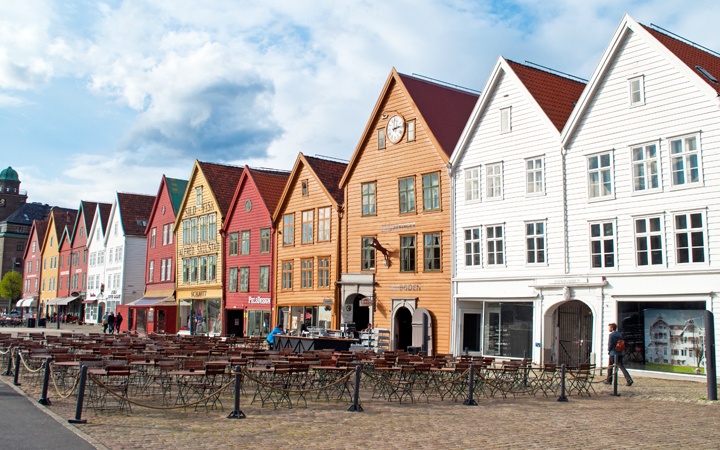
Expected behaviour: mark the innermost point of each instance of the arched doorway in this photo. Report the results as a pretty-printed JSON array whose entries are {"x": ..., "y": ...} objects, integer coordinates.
[
  {"x": 101, "y": 311},
  {"x": 361, "y": 314},
  {"x": 573, "y": 333},
  {"x": 403, "y": 328}
]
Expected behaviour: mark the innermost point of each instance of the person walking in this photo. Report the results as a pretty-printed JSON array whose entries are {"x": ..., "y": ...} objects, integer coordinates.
[
  {"x": 105, "y": 322},
  {"x": 111, "y": 322},
  {"x": 616, "y": 354},
  {"x": 118, "y": 322}
]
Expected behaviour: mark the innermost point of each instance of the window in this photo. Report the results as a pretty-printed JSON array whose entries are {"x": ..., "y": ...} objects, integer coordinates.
[
  {"x": 505, "y": 116},
  {"x": 600, "y": 175},
  {"x": 534, "y": 176},
  {"x": 265, "y": 240},
  {"x": 34, "y": 246},
  {"x": 431, "y": 191},
  {"x": 244, "y": 279},
  {"x": 307, "y": 227},
  {"x": 203, "y": 228},
  {"x": 168, "y": 270},
  {"x": 304, "y": 185},
  {"x": 186, "y": 270},
  {"x": 203, "y": 268},
  {"x": 406, "y": 190},
  {"x": 685, "y": 160},
  {"x": 535, "y": 242},
  {"x": 162, "y": 269},
  {"x": 689, "y": 238},
  {"x": 264, "y": 279},
  {"x": 368, "y": 254},
  {"x": 495, "y": 245},
  {"x": 212, "y": 227},
  {"x": 381, "y": 138},
  {"x": 432, "y": 257},
  {"x": 289, "y": 229},
  {"x": 233, "y": 279},
  {"x": 648, "y": 241},
  {"x": 287, "y": 275},
  {"x": 212, "y": 267},
  {"x": 407, "y": 253},
  {"x": 151, "y": 271},
  {"x": 198, "y": 195},
  {"x": 645, "y": 168},
  {"x": 472, "y": 183},
  {"x": 493, "y": 178},
  {"x": 233, "y": 245},
  {"x": 193, "y": 269},
  {"x": 245, "y": 242},
  {"x": 368, "y": 199},
  {"x": 637, "y": 91},
  {"x": 194, "y": 230},
  {"x": 410, "y": 130},
  {"x": 602, "y": 244},
  {"x": 153, "y": 234},
  {"x": 324, "y": 224},
  {"x": 186, "y": 232},
  {"x": 166, "y": 232},
  {"x": 306, "y": 273},
  {"x": 324, "y": 272}
]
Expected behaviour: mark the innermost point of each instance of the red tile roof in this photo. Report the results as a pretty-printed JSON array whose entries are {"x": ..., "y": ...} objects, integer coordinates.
[
  {"x": 135, "y": 210},
  {"x": 445, "y": 109},
  {"x": 691, "y": 55},
  {"x": 556, "y": 95},
  {"x": 270, "y": 184},
  {"x": 329, "y": 173},
  {"x": 222, "y": 180}
]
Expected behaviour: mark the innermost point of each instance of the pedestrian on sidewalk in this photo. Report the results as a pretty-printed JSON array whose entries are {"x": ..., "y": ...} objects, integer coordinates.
[
  {"x": 118, "y": 321},
  {"x": 616, "y": 354},
  {"x": 111, "y": 322},
  {"x": 105, "y": 322}
]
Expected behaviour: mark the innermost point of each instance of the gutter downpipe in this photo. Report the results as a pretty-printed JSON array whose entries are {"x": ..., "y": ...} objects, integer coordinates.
[{"x": 453, "y": 283}]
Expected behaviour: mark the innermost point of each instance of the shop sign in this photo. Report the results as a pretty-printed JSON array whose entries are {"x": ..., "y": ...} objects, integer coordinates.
[
  {"x": 397, "y": 227},
  {"x": 366, "y": 301},
  {"x": 327, "y": 301},
  {"x": 196, "y": 294},
  {"x": 259, "y": 300},
  {"x": 405, "y": 287}
]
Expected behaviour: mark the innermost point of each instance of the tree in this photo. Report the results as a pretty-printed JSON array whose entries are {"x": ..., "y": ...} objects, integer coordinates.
[{"x": 11, "y": 288}]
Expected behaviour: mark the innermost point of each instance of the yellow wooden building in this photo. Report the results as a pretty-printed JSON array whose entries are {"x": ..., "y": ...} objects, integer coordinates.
[{"x": 58, "y": 220}]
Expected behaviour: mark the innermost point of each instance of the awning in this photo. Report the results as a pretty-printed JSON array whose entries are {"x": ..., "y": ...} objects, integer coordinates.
[
  {"x": 61, "y": 301},
  {"x": 89, "y": 300},
  {"x": 29, "y": 302},
  {"x": 155, "y": 298}
]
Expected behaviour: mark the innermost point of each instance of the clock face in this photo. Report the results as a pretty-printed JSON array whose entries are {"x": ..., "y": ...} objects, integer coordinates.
[{"x": 395, "y": 129}]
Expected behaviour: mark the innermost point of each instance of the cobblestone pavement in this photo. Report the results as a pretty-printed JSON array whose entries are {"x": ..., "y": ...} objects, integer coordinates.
[{"x": 652, "y": 413}]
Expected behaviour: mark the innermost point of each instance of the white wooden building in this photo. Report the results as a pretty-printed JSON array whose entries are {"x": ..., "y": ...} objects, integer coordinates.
[{"x": 95, "y": 296}]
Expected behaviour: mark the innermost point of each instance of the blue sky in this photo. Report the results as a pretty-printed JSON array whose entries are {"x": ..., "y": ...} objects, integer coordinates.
[{"x": 99, "y": 97}]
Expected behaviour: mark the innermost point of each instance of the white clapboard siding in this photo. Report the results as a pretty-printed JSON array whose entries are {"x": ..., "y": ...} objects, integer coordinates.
[{"x": 133, "y": 278}]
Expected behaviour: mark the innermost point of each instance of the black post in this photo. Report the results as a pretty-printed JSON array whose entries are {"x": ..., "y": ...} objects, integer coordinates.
[
  {"x": 710, "y": 368},
  {"x": 44, "y": 400},
  {"x": 470, "y": 401},
  {"x": 425, "y": 336},
  {"x": 563, "y": 397},
  {"x": 17, "y": 368},
  {"x": 81, "y": 397},
  {"x": 57, "y": 318},
  {"x": 236, "y": 413},
  {"x": 8, "y": 372},
  {"x": 355, "y": 407},
  {"x": 615, "y": 377}
]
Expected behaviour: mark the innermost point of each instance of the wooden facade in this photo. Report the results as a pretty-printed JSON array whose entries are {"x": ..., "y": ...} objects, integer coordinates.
[
  {"x": 407, "y": 184},
  {"x": 58, "y": 220},
  {"x": 32, "y": 259}
]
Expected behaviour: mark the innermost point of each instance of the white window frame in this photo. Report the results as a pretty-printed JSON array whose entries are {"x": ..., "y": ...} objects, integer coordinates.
[
  {"x": 685, "y": 156},
  {"x": 472, "y": 184},
  {"x": 505, "y": 120},
  {"x": 602, "y": 238},
  {"x": 647, "y": 236},
  {"x": 600, "y": 170},
  {"x": 645, "y": 165},
  {"x": 491, "y": 246},
  {"x": 680, "y": 231},
  {"x": 532, "y": 170},
  {"x": 532, "y": 235},
  {"x": 637, "y": 85},
  {"x": 472, "y": 240},
  {"x": 494, "y": 181}
]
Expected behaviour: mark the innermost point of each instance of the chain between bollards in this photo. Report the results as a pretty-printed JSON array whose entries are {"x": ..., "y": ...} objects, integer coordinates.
[
  {"x": 236, "y": 413},
  {"x": 81, "y": 397},
  {"x": 563, "y": 397},
  {"x": 470, "y": 401},
  {"x": 44, "y": 400},
  {"x": 8, "y": 372},
  {"x": 356, "y": 407}
]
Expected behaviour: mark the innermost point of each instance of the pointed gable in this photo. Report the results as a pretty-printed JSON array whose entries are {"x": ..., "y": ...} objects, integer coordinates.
[
  {"x": 62, "y": 219},
  {"x": 176, "y": 190},
  {"x": 134, "y": 212},
  {"x": 222, "y": 180},
  {"x": 556, "y": 95},
  {"x": 329, "y": 173},
  {"x": 38, "y": 228}
]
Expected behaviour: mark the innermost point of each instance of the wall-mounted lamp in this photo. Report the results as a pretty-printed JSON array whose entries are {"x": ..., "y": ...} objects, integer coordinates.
[{"x": 378, "y": 246}]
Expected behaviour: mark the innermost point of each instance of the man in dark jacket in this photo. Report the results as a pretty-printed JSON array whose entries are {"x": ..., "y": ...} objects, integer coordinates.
[
  {"x": 111, "y": 322},
  {"x": 118, "y": 322},
  {"x": 616, "y": 356}
]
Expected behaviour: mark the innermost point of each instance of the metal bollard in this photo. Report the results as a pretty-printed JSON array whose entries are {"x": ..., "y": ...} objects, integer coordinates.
[
  {"x": 470, "y": 401},
  {"x": 236, "y": 413},
  {"x": 563, "y": 397},
  {"x": 8, "y": 372},
  {"x": 81, "y": 396},
  {"x": 18, "y": 355},
  {"x": 356, "y": 407},
  {"x": 44, "y": 400},
  {"x": 615, "y": 379}
]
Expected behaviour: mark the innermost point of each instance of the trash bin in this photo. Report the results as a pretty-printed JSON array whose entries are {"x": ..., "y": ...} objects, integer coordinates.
[
  {"x": 42, "y": 323},
  {"x": 31, "y": 322}
]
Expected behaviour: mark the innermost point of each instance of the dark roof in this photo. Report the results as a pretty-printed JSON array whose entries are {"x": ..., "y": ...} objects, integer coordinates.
[
  {"x": 105, "y": 210},
  {"x": 222, "y": 180},
  {"x": 445, "y": 109},
  {"x": 691, "y": 55},
  {"x": 134, "y": 211},
  {"x": 41, "y": 229},
  {"x": 329, "y": 173},
  {"x": 176, "y": 190},
  {"x": 556, "y": 95},
  {"x": 63, "y": 218},
  {"x": 29, "y": 212},
  {"x": 270, "y": 185}
]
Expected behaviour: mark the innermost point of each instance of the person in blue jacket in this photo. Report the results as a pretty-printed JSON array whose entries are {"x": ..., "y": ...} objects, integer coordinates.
[
  {"x": 271, "y": 336},
  {"x": 616, "y": 356}
]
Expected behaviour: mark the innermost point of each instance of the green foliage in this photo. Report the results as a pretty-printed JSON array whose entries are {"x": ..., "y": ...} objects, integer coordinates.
[{"x": 11, "y": 286}]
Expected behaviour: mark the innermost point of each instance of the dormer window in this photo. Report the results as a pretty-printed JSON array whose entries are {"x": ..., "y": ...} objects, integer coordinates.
[
  {"x": 505, "y": 116},
  {"x": 637, "y": 91},
  {"x": 304, "y": 184},
  {"x": 198, "y": 196}
]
